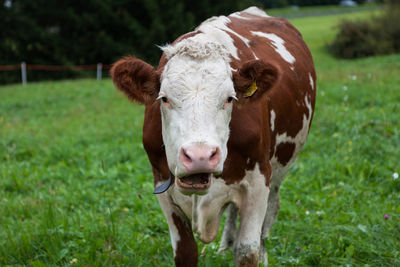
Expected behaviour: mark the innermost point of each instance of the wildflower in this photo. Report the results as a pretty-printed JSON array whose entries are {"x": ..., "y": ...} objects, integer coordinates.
[
  {"x": 126, "y": 210},
  {"x": 22, "y": 219},
  {"x": 307, "y": 212},
  {"x": 345, "y": 88},
  {"x": 350, "y": 143},
  {"x": 395, "y": 176},
  {"x": 298, "y": 249},
  {"x": 74, "y": 261},
  {"x": 386, "y": 217}
]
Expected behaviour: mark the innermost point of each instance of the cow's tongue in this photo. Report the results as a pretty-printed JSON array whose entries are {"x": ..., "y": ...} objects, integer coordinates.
[{"x": 200, "y": 181}]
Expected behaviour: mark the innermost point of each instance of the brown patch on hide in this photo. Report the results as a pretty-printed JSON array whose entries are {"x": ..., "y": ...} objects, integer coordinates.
[
  {"x": 284, "y": 152},
  {"x": 186, "y": 249}
]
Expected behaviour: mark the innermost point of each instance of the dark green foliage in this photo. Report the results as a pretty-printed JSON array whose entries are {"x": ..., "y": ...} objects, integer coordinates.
[
  {"x": 377, "y": 36},
  {"x": 87, "y": 32}
]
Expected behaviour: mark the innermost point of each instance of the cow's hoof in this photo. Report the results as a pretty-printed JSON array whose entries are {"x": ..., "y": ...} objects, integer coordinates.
[
  {"x": 222, "y": 250},
  {"x": 246, "y": 256},
  {"x": 248, "y": 260}
]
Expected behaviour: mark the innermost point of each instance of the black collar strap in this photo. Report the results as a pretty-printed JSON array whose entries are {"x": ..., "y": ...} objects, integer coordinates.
[{"x": 164, "y": 187}]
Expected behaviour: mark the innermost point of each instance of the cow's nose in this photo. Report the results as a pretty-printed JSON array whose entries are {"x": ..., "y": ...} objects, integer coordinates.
[{"x": 200, "y": 158}]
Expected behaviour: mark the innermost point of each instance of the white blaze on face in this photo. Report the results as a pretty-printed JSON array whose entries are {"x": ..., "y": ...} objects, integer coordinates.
[{"x": 197, "y": 82}]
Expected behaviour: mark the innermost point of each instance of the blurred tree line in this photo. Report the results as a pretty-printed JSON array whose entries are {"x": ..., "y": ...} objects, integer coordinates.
[{"x": 76, "y": 32}]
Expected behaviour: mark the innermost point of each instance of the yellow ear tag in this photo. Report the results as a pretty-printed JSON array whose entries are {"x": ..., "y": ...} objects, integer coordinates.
[{"x": 251, "y": 90}]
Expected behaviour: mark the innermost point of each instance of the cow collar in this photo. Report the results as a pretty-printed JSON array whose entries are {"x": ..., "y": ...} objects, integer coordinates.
[{"x": 164, "y": 187}]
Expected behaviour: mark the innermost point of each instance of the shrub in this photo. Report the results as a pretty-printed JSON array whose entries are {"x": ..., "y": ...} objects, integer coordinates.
[{"x": 377, "y": 36}]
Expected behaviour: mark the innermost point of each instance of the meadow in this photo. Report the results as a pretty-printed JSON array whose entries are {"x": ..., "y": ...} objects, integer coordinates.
[{"x": 76, "y": 185}]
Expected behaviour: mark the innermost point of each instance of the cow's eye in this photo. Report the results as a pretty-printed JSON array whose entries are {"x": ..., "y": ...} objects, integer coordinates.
[
  {"x": 230, "y": 99},
  {"x": 165, "y": 101}
]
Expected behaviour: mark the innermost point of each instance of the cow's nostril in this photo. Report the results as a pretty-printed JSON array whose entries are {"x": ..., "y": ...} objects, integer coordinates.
[
  {"x": 214, "y": 153},
  {"x": 187, "y": 157}
]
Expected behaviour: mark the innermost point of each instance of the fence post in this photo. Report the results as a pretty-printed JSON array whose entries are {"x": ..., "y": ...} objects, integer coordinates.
[
  {"x": 23, "y": 73},
  {"x": 99, "y": 71}
]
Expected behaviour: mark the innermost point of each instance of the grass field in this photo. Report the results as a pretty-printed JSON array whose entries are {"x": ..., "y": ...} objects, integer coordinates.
[{"x": 76, "y": 186}]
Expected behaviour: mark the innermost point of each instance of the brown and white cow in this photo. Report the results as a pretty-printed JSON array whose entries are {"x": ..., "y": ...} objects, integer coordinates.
[{"x": 227, "y": 112}]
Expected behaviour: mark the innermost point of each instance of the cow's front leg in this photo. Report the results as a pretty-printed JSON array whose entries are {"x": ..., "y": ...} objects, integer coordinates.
[
  {"x": 182, "y": 240},
  {"x": 252, "y": 211},
  {"x": 229, "y": 234}
]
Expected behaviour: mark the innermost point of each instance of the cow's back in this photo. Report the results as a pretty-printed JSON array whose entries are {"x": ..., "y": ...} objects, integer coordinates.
[{"x": 275, "y": 128}]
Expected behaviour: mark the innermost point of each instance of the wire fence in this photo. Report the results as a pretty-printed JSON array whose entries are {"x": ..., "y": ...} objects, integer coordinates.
[{"x": 23, "y": 67}]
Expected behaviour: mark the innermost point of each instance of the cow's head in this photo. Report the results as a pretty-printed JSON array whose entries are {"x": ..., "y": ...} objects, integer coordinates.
[{"x": 197, "y": 89}]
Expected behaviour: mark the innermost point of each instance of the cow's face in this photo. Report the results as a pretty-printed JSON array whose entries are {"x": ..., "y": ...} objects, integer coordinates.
[
  {"x": 196, "y": 104},
  {"x": 196, "y": 97}
]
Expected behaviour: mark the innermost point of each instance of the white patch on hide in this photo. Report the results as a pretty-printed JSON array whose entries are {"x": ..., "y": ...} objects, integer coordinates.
[
  {"x": 278, "y": 44},
  {"x": 256, "y": 11},
  {"x": 196, "y": 50},
  {"x": 248, "y": 161},
  {"x": 252, "y": 208},
  {"x": 272, "y": 120},
  {"x": 278, "y": 170},
  {"x": 216, "y": 30},
  {"x": 254, "y": 54},
  {"x": 238, "y": 16},
  {"x": 311, "y": 81}
]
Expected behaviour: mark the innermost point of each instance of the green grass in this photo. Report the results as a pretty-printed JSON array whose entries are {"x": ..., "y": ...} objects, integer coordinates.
[
  {"x": 306, "y": 11},
  {"x": 76, "y": 185}
]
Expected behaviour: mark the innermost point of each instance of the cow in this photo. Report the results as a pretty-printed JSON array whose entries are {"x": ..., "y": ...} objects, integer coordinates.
[{"x": 227, "y": 112}]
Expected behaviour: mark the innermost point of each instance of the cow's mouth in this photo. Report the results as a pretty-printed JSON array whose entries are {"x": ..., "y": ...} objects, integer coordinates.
[{"x": 198, "y": 183}]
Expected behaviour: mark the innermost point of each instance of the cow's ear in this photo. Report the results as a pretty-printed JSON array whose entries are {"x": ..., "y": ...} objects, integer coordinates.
[
  {"x": 138, "y": 80},
  {"x": 254, "y": 78}
]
